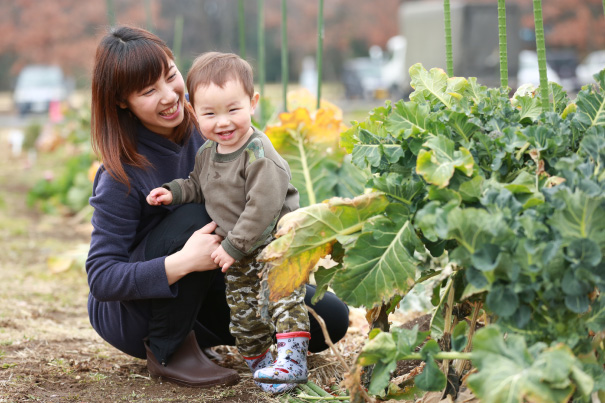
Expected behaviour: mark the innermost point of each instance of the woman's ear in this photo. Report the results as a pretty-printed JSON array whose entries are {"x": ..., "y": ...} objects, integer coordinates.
[{"x": 122, "y": 105}]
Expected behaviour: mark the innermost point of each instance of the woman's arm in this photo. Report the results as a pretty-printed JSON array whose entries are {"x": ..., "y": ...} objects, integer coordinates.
[{"x": 111, "y": 274}]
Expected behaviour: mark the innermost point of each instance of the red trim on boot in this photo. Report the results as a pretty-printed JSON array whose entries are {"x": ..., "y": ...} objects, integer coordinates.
[
  {"x": 258, "y": 356},
  {"x": 294, "y": 334}
]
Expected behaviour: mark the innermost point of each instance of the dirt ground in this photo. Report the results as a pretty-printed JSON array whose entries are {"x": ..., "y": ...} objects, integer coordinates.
[{"x": 48, "y": 350}]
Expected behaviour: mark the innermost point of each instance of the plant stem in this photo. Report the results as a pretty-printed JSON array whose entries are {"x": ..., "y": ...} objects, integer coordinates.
[
  {"x": 502, "y": 40},
  {"x": 178, "y": 39},
  {"x": 241, "y": 18},
  {"x": 284, "y": 53},
  {"x": 541, "y": 50},
  {"x": 320, "y": 45},
  {"x": 261, "y": 47},
  {"x": 148, "y": 19},
  {"x": 447, "y": 331},
  {"x": 328, "y": 340},
  {"x": 111, "y": 15},
  {"x": 305, "y": 168},
  {"x": 474, "y": 317},
  {"x": 305, "y": 397},
  {"x": 447, "y": 16}
]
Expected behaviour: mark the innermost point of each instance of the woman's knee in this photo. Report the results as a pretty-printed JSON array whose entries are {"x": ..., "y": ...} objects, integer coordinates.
[
  {"x": 335, "y": 314},
  {"x": 171, "y": 234}
]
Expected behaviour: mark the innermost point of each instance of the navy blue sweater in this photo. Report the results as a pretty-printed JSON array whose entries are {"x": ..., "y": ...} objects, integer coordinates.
[{"x": 121, "y": 221}]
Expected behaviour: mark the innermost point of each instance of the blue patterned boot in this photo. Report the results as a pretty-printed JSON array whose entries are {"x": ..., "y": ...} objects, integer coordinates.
[
  {"x": 290, "y": 367},
  {"x": 263, "y": 361}
]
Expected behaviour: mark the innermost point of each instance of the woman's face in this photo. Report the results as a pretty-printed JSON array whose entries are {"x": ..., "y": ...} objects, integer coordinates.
[{"x": 160, "y": 107}]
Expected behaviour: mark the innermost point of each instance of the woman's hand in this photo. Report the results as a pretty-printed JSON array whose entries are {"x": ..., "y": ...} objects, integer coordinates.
[{"x": 195, "y": 255}]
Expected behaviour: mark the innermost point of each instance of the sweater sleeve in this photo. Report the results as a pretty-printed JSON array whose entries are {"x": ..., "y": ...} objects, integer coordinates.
[
  {"x": 188, "y": 190},
  {"x": 116, "y": 217},
  {"x": 266, "y": 188}
]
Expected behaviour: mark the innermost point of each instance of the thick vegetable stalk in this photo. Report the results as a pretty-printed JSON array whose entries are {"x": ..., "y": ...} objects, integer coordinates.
[
  {"x": 449, "y": 60},
  {"x": 284, "y": 53},
  {"x": 502, "y": 40},
  {"x": 178, "y": 39},
  {"x": 241, "y": 19},
  {"x": 541, "y": 50},
  {"x": 261, "y": 47},
  {"x": 111, "y": 15},
  {"x": 320, "y": 45}
]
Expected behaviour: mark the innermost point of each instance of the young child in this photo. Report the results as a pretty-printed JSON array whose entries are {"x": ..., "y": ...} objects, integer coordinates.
[{"x": 245, "y": 185}]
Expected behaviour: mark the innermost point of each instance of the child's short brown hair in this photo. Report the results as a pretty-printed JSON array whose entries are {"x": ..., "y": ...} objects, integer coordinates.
[{"x": 218, "y": 68}]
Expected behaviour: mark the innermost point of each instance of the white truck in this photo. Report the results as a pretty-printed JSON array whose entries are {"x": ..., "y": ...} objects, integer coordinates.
[{"x": 475, "y": 44}]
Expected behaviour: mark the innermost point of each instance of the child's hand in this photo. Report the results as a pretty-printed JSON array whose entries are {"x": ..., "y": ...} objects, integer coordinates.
[
  {"x": 159, "y": 196},
  {"x": 222, "y": 258}
]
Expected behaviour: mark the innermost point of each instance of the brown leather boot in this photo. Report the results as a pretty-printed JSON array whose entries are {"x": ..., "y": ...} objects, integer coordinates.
[{"x": 188, "y": 366}]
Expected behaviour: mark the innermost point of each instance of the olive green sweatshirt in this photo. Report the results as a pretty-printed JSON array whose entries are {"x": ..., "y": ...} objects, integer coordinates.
[{"x": 246, "y": 192}]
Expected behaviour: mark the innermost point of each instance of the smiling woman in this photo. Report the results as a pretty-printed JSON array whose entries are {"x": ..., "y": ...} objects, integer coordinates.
[{"x": 143, "y": 257}]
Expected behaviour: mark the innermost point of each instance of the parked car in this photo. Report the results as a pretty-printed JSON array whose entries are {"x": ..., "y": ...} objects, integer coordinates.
[
  {"x": 37, "y": 86},
  {"x": 593, "y": 63},
  {"x": 362, "y": 78},
  {"x": 529, "y": 72}
]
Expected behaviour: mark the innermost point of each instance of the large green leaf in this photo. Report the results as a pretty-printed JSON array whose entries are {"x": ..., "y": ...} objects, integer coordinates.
[
  {"x": 510, "y": 372},
  {"x": 437, "y": 165},
  {"x": 473, "y": 228},
  {"x": 581, "y": 216},
  {"x": 435, "y": 86},
  {"x": 462, "y": 124},
  {"x": 307, "y": 234},
  {"x": 591, "y": 105},
  {"x": 408, "y": 119},
  {"x": 373, "y": 150},
  {"x": 384, "y": 350},
  {"x": 398, "y": 187},
  {"x": 381, "y": 263}
]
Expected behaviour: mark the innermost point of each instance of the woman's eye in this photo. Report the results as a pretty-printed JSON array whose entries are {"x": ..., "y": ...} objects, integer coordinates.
[{"x": 172, "y": 77}]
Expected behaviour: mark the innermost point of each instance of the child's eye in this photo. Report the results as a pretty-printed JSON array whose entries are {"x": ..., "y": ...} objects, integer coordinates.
[
  {"x": 172, "y": 77},
  {"x": 148, "y": 92}
]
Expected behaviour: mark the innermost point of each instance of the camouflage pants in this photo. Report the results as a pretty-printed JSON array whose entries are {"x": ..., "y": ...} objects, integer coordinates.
[{"x": 253, "y": 336}]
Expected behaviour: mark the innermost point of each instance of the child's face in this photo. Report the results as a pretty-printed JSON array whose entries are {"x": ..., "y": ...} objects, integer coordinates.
[{"x": 224, "y": 114}]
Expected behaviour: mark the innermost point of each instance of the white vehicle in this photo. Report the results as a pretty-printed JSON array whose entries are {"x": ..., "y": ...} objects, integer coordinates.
[
  {"x": 528, "y": 69},
  {"x": 594, "y": 63},
  {"x": 37, "y": 86}
]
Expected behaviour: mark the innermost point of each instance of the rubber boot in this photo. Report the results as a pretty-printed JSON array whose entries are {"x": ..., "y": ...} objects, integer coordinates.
[
  {"x": 263, "y": 361},
  {"x": 291, "y": 363},
  {"x": 189, "y": 366}
]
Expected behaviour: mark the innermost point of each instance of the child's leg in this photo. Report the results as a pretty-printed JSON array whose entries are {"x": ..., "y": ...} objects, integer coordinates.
[
  {"x": 253, "y": 337},
  {"x": 292, "y": 322},
  {"x": 290, "y": 314}
]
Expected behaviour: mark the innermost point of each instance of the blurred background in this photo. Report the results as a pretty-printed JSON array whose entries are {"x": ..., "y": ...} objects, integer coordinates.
[
  {"x": 47, "y": 50},
  {"x": 368, "y": 46}
]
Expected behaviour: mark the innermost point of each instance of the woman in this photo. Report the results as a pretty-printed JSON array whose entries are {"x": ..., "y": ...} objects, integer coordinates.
[{"x": 143, "y": 257}]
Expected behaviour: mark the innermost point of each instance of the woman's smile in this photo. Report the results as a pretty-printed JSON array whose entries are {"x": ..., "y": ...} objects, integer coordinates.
[{"x": 171, "y": 112}]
